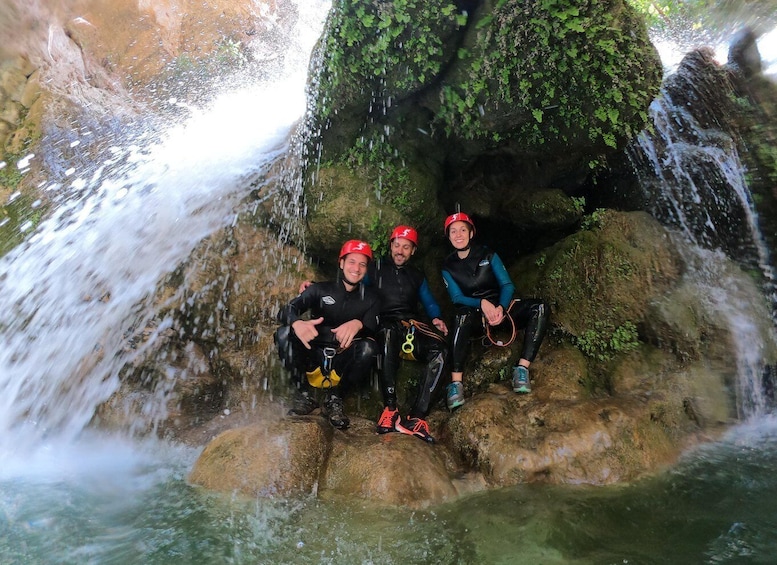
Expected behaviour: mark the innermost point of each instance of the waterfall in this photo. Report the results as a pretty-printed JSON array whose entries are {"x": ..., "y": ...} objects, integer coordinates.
[
  {"x": 693, "y": 180},
  {"x": 81, "y": 284}
]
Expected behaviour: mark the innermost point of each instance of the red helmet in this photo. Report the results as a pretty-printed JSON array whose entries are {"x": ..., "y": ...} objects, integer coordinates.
[
  {"x": 459, "y": 217},
  {"x": 405, "y": 232},
  {"x": 356, "y": 246}
]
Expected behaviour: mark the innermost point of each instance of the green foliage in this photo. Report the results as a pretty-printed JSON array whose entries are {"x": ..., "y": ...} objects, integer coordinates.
[
  {"x": 10, "y": 176},
  {"x": 18, "y": 217},
  {"x": 704, "y": 14},
  {"x": 578, "y": 203},
  {"x": 377, "y": 235},
  {"x": 657, "y": 12},
  {"x": 569, "y": 66},
  {"x": 183, "y": 64},
  {"x": 593, "y": 220},
  {"x": 376, "y": 153},
  {"x": 365, "y": 41},
  {"x": 230, "y": 53},
  {"x": 603, "y": 342}
]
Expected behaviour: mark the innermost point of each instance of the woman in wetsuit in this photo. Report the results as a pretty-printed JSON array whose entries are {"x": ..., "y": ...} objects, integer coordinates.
[{"x": 482, "y": 292}]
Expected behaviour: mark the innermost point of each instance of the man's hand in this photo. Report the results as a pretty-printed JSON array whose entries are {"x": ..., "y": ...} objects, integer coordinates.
[
  {"x": 306, "y": 330},
  {"x": 346, "y": 332},
  {"x": 494, "y": 314},
  {"x": 303, "y": 285},
  {"x": 440, "y": 325}
]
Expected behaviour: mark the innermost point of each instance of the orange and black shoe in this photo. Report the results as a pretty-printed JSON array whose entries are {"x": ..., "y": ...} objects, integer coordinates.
[
  {"x": 388, "y": 420},
  {"x": 415, "y": 427}
]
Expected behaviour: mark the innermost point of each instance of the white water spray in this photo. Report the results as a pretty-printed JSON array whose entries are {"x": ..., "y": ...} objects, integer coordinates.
[
  {"x": 74, "y": 292},
  {"x": 670, "y": 160}
]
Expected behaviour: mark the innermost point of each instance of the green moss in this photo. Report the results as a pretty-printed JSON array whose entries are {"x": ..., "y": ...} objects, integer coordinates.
[
  {"x": 572, "y": 70},
  {"x": 766, "y": 154},
  {"x": 603, "y": 341},
  {"x": 18, "y": 214},
  {"x": 386, "y": 163},
  {"x": 599, "y": 282},
  {"x": 366, "y": 41},
  {"x": 10, "y": 176},
  {"x": 21, "y": 212}
]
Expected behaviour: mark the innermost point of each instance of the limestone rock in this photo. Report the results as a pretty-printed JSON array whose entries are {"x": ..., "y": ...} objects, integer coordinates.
[
  {"x": 285, "y": 458},
  {"x": 394, "y": 469},
  {"x": 300, "y": 456}
]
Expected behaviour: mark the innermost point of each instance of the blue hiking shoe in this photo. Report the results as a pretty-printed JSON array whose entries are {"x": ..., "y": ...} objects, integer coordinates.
[
  {"x": 521, "y": 380},
  {"x": 454, "y": 395}
]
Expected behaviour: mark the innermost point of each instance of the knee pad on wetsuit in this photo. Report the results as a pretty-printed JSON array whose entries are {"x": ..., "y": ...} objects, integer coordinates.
[{"x": 366, "y": 351}]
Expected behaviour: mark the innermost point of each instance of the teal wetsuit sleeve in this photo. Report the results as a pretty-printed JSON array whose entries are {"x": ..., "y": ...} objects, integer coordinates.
[
  {"x": 428, "y": 302},
  {"x": 506, "y": 286},
  {"x": 454, "y": 291}
]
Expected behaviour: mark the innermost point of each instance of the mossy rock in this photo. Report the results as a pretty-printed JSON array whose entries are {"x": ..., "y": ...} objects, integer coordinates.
[
  {"x": 382, "y": 51},
  {"x": 552, "y": 74},
  {"x": 697, "y": 325},
  {"x": 348, "y": 202},
  {"x": 602, "y": 277},
  {"x": 543, "y": 210}
]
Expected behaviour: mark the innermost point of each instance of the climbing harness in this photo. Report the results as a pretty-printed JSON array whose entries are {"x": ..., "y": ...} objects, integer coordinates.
[{"x": 324, "y": 376}]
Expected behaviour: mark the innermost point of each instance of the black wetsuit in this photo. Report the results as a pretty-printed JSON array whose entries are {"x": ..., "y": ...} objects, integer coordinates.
[
  {"x": 401, "y": 289},
  {"x": 336, "y": 305},
  {"x": 482, "y": 275}
]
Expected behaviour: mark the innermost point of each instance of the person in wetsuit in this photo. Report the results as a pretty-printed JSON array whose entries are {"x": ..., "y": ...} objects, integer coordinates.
[
  {"x": 482, "y": 292},
  {"x": 402, "y": 335},
  {"x": 335, "y": 349}
]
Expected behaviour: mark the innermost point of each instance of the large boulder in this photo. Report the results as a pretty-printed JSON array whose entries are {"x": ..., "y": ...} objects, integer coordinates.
[
  {"x": 285, "y": 459},
  {"x": 303, "y": 456},
  {"x": 500, "y": 107},
  {"x": 601, "y": 280}
]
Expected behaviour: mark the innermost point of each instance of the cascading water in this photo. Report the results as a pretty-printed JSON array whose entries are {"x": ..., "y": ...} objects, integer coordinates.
[
  {"x": 80, "y": 286},
  {"x": 694, "y": 181},
  {"x": 81, "y": 282}
]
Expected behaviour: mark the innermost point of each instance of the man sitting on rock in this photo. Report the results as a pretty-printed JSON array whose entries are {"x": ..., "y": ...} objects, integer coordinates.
[
  {"x": 335, "y": 349},
  {"x": 402, "y": 336}
]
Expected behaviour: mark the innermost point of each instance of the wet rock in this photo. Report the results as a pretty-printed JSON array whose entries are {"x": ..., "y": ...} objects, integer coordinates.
[
  {"x": 285, "y": 458},
  {"x": 305, "y": 455},
  {"x": 743, "y": 53},
  {"x": 393, "y": 468}
]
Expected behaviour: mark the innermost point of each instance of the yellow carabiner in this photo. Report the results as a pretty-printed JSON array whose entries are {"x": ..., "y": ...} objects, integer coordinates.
[{"x": 408, "y": 347}]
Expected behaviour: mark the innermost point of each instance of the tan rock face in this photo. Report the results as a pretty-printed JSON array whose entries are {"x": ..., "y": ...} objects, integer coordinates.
[
  {"x": 286, "y": 458},
  {"x": 305, "y": 455},
  {"x": 88, "y": 54},
  {"x": 393, "y": 468},
  {"x": 136, "y": 39}
]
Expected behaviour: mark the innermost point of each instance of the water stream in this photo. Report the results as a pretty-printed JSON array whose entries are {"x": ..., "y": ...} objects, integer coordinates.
[{"x": 69, "y": 496}]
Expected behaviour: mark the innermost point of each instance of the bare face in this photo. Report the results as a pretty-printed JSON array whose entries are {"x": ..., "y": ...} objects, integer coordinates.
[
  {"x": 354, "y": 266},
  {"x": 401, "y": 250},
  {"x": 459, "y": 234}
]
